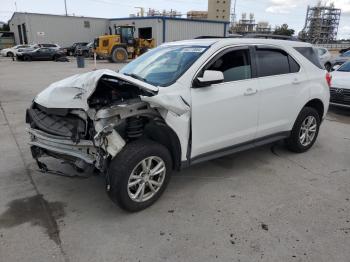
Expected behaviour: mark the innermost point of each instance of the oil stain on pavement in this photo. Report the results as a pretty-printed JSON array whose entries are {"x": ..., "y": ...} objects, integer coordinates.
[{"x": 35, "y": 210}]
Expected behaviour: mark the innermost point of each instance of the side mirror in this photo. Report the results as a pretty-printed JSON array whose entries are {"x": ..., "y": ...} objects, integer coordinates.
[{"x": 210, "y": 77}]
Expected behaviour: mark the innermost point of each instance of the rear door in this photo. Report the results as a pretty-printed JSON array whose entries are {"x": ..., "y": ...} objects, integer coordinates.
[{"x": 281, "y": 82}]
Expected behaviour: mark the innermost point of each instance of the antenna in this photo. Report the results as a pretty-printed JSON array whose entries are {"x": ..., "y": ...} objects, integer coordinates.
[{"x": 16, "y": 6}]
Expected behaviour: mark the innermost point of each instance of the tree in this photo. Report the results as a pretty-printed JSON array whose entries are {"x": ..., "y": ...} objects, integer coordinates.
[
  {"x": 283, "y": 30},
  {"x": 5, "y": 27}
]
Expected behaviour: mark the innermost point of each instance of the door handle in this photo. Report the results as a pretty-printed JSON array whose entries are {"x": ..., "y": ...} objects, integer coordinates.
[
  {"x": 296, "y": 81},
  {"x": 250, "y": 91}
]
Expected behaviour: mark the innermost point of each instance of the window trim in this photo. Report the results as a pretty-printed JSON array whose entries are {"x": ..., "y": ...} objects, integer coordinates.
[
  {"x": 257, "y": 47},
  {"x": 222, "y": 52}
]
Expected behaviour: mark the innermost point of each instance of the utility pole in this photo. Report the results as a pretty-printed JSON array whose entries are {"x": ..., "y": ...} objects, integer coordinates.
[
  {"x": 234, "y": 11},
  {"x": 65, "y": 7}
]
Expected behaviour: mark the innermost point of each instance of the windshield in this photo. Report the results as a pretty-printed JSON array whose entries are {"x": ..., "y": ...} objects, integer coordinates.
[
  {"x": 345, "y": 67},
  {"x": 163, "y": 65}
]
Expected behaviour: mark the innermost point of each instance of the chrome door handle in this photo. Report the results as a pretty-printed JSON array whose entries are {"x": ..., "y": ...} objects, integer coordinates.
[{"x": 250, "y": 91}]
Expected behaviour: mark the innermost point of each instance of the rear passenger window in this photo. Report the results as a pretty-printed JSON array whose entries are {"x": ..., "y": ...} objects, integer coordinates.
[
  {"x": 235, "y": 65},
  {"x": 310, "y": 54},
  {"x": 294, "y": 66},
  {"x": 272, "y": 62}
]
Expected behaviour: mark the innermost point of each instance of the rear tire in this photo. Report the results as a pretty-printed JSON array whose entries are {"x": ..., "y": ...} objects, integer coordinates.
[
  {"x": 119, "y": 55},
  {"x": 305, "y": 130},
  {"x": 10, "y": 54},
  {"x": 27, "y": 58},
  {"x": 139, "y": 174}
]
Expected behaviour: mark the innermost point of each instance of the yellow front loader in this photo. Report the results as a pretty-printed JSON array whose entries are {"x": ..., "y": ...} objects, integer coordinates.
[{"x": 121, "y": 46}]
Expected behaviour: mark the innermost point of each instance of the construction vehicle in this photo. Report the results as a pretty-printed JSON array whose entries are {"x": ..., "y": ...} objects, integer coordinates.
[{"x": 122, "y": 45}]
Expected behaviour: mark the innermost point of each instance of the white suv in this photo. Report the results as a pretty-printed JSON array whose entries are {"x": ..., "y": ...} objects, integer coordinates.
[{"x": 177, "y": 105}]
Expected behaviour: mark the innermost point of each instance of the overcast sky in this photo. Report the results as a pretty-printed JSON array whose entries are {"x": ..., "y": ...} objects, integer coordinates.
[{"x": 276, "y": 12}]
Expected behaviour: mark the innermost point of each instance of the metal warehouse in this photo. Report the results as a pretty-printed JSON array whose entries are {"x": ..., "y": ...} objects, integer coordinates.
[
  {"x": 167, "y": 29},
  {"x": 31, "y": 28}
]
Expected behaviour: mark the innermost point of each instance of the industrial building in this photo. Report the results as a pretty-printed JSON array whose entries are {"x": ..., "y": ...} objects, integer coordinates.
[
  {"x": 247, "y": 25},
  {"x": 219, "y": 10},
  {"x": 321, "y": 24},
  {"x": 167, "y": 29},
  {"x": 65, "y": 30}
]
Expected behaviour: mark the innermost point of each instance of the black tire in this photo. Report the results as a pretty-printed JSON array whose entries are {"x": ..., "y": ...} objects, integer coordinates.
[
  {"x": 293, "y": 142},
  {"x": 119, "y": 55},
  {"x": 10, "y": 54},
  {"x": 328, "y": 67},
  {"x": 27, "y": 58},
  {"x": 125, "y": 162}
]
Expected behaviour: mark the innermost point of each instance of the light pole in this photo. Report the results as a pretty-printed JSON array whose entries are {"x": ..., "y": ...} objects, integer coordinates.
[{"x": 65, "y": 7}]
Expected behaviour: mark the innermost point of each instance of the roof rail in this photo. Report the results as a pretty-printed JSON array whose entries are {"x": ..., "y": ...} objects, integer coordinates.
[{"x": 271, "y": 36}]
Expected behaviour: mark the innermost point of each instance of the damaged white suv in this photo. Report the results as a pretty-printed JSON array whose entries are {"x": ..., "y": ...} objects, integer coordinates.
[{"x": 180, "y": 104}]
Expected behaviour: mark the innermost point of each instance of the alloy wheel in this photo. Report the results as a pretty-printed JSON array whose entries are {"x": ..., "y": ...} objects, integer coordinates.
[
  {"x": 146, "y": 179},
  {"x": 308, "y": 131}
]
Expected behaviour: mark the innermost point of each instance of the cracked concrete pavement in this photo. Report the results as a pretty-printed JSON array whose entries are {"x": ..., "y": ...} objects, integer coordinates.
[{"x": 265, "y": 204}]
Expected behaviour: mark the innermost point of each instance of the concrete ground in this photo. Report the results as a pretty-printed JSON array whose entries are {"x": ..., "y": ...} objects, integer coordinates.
[{"x": 265, "y": 204}]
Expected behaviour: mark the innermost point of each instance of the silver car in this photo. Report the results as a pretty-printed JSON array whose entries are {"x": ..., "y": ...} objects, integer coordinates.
[{"x": 341, "y": 59}]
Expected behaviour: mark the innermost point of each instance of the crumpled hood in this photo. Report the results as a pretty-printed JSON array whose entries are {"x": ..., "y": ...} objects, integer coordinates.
[
  {"x": 74, "y": 91},
  {"x": 341, "y": 79}
]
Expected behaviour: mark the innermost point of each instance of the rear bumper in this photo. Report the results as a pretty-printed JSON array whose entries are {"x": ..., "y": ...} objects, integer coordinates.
[{"x": 340, "y": 105}]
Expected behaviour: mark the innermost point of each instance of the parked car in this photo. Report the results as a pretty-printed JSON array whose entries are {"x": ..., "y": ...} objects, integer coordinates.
[
  {"x": 86, "y": 50},
  {"x": 344, "y": 50},
  {"x": 341, "y": 59},
  {"x": 71, "y": 49},
  {"x": 41, "y": 53},
  {"x": 10, "y": 52},
  {"x": 52, "y": 46},
  {"x": 177, "y": 105},
  {"x": 340, "y": 86},
  {"x": 325, "y": 57}
]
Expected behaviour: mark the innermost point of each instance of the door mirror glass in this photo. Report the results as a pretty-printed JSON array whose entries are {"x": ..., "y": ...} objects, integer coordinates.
[{"x": 210, "y": 77}]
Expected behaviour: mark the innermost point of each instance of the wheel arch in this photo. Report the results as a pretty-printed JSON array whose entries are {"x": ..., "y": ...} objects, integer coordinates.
[
  {"x": 317, "y": 104},
  {"x": 160, "y": 132},
  {"x": 118, "y": 46}
]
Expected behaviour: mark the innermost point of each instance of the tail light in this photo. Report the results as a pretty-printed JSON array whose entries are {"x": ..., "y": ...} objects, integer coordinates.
[{"x": 329, "y": 79}]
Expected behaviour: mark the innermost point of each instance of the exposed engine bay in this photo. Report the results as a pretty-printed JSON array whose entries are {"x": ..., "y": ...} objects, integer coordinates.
[{"x": 116, "y": 115}]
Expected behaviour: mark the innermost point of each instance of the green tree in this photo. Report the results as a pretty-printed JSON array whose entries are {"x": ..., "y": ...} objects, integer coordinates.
[
  {"x": 5, "y": 27},
  {"x": 283, "y": 30}
]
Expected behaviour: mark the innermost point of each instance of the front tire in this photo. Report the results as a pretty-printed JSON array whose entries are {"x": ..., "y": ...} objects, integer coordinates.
[
  {"x": 139, "y": 174},
  {"x": 10, "y": 54},
  {"x": 27, "y": 58},
  {"x": 305, "y": 130}
]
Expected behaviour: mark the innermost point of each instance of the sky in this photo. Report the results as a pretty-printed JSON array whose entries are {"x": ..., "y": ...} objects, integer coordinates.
[{"x": 276, "y": 12}]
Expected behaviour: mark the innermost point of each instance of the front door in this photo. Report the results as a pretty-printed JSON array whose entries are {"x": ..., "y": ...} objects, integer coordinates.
[{"x": 225, "y": 115}]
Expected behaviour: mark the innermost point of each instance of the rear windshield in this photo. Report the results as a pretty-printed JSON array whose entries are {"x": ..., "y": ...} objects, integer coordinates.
[{"x": 310, "y": 54}]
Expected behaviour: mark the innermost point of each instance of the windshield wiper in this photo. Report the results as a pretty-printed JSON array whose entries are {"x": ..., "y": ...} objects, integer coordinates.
[{"x": 136, "y": 77}]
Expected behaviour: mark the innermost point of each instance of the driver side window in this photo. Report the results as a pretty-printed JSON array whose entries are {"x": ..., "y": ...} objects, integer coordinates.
[{"x": 235, "y": 65}]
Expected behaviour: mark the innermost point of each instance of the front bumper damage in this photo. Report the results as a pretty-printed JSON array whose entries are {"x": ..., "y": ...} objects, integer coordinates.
[{"x": 79, "y": 154}]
